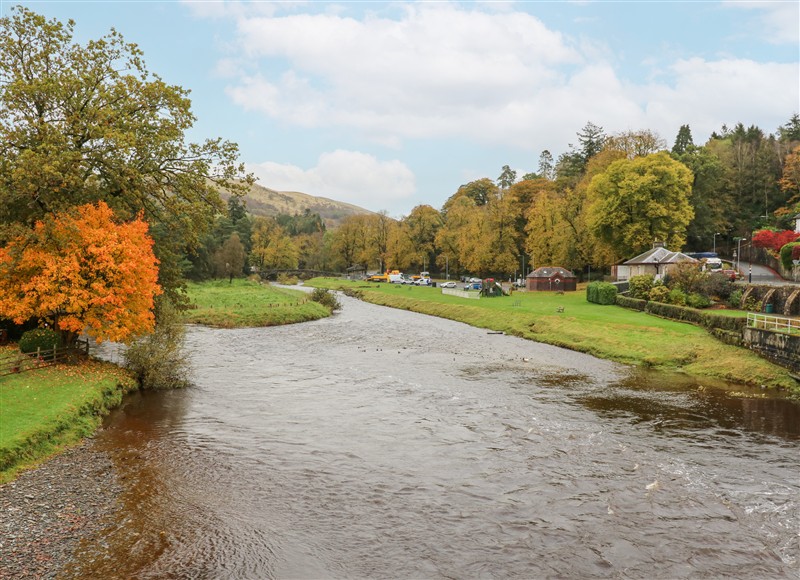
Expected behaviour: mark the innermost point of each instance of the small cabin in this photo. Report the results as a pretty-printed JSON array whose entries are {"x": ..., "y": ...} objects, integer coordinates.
[{"x": 551, "y": 279}]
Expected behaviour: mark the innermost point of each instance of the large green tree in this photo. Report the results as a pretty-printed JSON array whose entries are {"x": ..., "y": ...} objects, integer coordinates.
[
  {"x": 86, "y": 123},
  {"x": 638, "y": 201}
]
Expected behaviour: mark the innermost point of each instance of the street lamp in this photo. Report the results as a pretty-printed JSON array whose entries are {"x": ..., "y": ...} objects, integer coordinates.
[
  {"x": 715, "y": 242},
  {"x": 739, "y": 251}
]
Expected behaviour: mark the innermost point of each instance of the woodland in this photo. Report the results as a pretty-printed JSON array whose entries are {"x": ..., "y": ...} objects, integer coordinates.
[{"x": 607, "y": 199}]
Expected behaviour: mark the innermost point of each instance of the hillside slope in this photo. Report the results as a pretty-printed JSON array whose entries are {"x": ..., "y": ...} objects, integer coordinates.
[{"x": 262, "y": 201}]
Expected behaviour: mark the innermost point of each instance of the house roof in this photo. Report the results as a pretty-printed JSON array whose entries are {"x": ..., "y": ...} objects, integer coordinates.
[
  {"x": 659, "y": 255},
  {"x": 549, "y": 272}
]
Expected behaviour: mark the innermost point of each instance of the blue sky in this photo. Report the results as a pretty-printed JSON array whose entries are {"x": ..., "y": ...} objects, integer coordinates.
[{"x": 389, "y": 105}]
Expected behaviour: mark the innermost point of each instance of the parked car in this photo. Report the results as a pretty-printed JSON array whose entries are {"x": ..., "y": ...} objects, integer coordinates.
[
  {"x": 450, "y": 284},
  {"x": 472, "y": 286},
  {"x": 733, "y": 275},
  {"x": 423, "y": 282}
]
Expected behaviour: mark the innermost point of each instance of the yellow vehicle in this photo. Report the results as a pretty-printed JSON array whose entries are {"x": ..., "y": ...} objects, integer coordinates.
[{"x": 385, "y": 277}]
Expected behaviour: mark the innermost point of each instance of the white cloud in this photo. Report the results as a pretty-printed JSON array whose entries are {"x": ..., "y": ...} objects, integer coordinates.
[
  {"x": 495, "y": 78},
  {"x": 703, "y": 92},
  {"x": 779, "y": 20},
  {"x": 438, "y": 71},
  {"x": 349, "y": 176}
]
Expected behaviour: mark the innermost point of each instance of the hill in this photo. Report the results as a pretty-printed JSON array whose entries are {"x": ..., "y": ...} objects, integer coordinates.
[{"x": 262, "y": 201}]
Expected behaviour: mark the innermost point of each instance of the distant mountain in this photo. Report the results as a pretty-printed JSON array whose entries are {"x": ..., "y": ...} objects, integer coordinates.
[{"x": 262, "y": 201}]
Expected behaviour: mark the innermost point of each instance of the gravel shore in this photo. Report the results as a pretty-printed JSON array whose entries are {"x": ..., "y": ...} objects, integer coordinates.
[{"x": 46, "y": 512}]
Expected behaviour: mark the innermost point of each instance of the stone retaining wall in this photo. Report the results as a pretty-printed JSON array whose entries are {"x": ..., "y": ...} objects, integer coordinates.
[{"x": 781, "y": 348}]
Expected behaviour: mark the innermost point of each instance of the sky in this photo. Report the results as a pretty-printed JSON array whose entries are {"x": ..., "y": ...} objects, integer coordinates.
[{"x": 390, "y": 105}]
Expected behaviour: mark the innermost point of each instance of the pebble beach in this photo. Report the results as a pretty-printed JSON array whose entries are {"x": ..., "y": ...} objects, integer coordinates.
[{"x": 45, "y": 513}]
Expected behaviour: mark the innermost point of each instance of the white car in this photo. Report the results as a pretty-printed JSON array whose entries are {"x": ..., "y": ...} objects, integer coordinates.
[
  {"x": 423, "y": 282},
  {"x": 448, "y": 284}
]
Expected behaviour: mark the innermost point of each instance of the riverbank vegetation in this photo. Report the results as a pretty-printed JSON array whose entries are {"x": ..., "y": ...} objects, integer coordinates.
[
  {"x": 244, "y": 303},
  {"x": 570, "y": 321},
  {"x": 44, "y": 410}
]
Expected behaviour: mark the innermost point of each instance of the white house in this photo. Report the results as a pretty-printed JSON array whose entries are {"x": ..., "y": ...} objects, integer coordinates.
[{"x": 658, "y": 262}]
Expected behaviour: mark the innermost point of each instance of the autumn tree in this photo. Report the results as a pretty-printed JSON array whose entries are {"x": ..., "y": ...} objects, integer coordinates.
[
  {"x": 638, "y": 201},
  {"x": 229, "y": 260},
  {"x": 82, "y": 270},
  {"x": 272, "y": 248},
  {"x": 636, "y": 143},
  {"x": 86, "y": 123}
]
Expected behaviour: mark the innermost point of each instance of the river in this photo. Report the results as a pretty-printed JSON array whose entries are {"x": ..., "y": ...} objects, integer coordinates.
[{"x": 382, "y": 443}]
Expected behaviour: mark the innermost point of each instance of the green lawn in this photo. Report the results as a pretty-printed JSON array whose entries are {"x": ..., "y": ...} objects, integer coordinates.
[
  {"x": 608, "y": 332},
  {"x": 43, "y": 410},
  {"x": 249, "y": 303}
]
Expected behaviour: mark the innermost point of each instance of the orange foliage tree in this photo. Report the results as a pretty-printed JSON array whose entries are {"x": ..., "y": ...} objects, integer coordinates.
[{"x": 82, "y": 271}]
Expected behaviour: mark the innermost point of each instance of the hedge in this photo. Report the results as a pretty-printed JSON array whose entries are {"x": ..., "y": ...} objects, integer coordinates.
[
  {"x": 601, "y": 293},
  {"x": 698, "y": 317},
  {"x": 709, "y": 320},
  {"x": 633, "y": 303}
]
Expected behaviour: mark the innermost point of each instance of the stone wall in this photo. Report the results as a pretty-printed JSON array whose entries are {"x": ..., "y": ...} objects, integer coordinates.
[
  {"x": 780, "y": 348},
  {"x": 785, "y": 300}
]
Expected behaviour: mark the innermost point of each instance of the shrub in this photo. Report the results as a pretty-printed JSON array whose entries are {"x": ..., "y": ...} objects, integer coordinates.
[
  {"x": 688, "y": 277},
  {"x": 659, "y": 293},
  {"x": 639, "y": 286},
  {"x": 789, "y": 252},
  {"x": 287, "y": 280},
  {"x": 735, "y": 298},
  {"x": 601, "y": 293},
  {"x": 719, "y": 285},
  {"x": 326, "y": 298},
  {"x": 157, "y": 361},
  {"x": 752, "y": 304},
  {"x": 677, "y": 297},
  {"x": 39, "y": 338},
  {"x": 696, "y": 300}
]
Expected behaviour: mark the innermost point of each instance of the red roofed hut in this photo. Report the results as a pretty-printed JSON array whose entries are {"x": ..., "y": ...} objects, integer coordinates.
[{"x": 551, "y": 279}]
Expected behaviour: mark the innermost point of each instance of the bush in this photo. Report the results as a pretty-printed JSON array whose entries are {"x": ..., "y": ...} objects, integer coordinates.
[
  {"x": 677, "y": 297},
  {"x": 157, "y": 361},
  {"x": 659, "y": 293},
  {"x": 639, "y": 286},
  {"x": 696, "y": 300},
  {"x": 39, "y": 338},
  {"x": 788, "y": 253},
  {"x": 326, "y": 298},
  {"x": 601, "y": 293},
  {"x": 719, "y": 285},
  {"x": 287, "y": 280},
  {"x": 735, "y": 298}
]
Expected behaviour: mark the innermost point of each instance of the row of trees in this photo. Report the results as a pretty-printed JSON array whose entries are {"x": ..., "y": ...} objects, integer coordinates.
[{"x": 602, "y": 202}]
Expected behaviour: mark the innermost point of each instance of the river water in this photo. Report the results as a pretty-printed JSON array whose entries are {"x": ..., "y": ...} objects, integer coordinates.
[{"x": 381, "y": 443}]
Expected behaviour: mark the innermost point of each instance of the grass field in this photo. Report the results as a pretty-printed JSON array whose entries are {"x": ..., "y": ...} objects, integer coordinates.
[
  {"x": 608, "y": 332},
  {"x": 43, "y": 410},
  {"x": 248, "y": 303}
]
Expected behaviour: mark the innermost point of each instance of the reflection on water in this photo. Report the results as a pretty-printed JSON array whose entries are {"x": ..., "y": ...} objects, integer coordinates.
[{"x": 343, "y": 449}]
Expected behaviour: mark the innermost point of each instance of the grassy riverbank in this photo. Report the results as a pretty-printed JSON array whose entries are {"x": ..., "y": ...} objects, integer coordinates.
[
  {"x": 246, "y": 303},
  {"x": 44, "y": 410},
  {"x": 608, "y": 332}
]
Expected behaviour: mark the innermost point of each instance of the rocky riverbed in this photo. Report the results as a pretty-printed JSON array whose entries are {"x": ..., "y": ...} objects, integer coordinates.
[{"x": 46, "y": 512}]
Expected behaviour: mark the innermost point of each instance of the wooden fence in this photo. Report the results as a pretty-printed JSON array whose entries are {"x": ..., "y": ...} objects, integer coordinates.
[{"x": 18, "y": 362}]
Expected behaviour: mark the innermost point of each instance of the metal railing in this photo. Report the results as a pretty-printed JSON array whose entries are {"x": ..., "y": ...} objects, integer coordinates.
[
  {"x": 774, "y": 323},
  {"x": 461, "y": 293}
]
